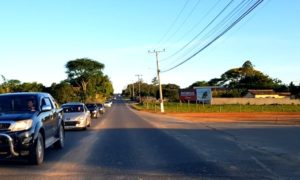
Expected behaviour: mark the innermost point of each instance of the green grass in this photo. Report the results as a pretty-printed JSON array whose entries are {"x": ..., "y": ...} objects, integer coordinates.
[{"x": 184, "y": 107}]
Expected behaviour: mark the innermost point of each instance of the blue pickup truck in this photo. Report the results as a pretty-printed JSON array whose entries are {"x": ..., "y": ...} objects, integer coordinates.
[{"x": 30, "y": 122}]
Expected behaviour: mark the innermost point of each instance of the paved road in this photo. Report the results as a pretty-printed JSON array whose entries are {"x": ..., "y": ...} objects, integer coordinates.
[{"x": 125, "y": 144}]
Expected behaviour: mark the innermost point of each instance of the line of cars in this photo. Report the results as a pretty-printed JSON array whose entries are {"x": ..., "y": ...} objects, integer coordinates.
[
  {"x": 78, "y": 115},
  {"x": 30, "y": 122}
]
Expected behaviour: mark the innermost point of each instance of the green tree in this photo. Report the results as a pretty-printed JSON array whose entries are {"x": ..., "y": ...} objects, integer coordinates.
[
  {"x": 154, "y": 81},
  {"x": 171, "y": 92},
  {"x": 100, "y": 85},
  {"x": 246, "y": 77},
  {"x": 247, "y": 65},
  {"x": 30, "y": 87},
  {"x": 215, "y": 82},
  {"x": 4, "y": 88},
  {"x": 231, "y": 77},
  {"x": 14, "y": 85},
  {"x": 199, "y": 84},
  {"x": 64, "y": 92},
  {"x": 295, "y": 90},
  {"x": 80, "y": 71},
  {"x": 146, "y": 90},
  {"x": 239, "y": 80}
]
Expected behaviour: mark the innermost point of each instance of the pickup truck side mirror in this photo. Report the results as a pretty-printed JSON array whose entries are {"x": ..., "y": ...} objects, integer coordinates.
[{"x": 46, "y": 108}]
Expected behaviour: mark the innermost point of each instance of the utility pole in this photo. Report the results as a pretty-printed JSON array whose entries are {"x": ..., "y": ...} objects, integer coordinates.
[
  {"x": 161, "y": 99},
  {"x": 133, "y": 91},
  {"x": 139, "y": 80}
]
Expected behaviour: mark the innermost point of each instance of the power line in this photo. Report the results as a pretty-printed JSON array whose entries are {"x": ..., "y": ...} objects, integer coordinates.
[
  {"x": 224, "y": 23},
  {"x": 196, "y": 25},
  {"x": 226, "y": 20},
  {"x": 175, "y": 20},
  {"x": 220, "y": 35},
  {"x": 184, "y": 21},
  {"x": 195, "y": 37}
]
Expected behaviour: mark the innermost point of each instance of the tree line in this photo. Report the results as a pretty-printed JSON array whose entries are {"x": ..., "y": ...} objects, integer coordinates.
[
  {"x": 235, "y": 82},
  {"x": 86, "y": 83}
]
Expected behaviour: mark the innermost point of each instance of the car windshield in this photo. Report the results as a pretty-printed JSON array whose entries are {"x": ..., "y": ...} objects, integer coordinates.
[
  {"x": 18, "y": 103},
  {"x": 90, "y": 106},
  {"x": 72, "y": 108}
]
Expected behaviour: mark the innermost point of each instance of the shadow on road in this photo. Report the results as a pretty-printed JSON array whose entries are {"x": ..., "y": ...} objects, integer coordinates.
[{"x": 137, "y": 147}]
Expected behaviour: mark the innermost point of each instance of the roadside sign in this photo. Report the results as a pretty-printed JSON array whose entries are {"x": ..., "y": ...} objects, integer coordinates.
[
  {"x": 186, "y": 95},
  {"x": 204, "y": 94}
]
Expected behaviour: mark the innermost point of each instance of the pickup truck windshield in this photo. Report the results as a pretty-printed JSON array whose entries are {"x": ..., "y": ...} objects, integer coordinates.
[{"x": 19, "y": 103}]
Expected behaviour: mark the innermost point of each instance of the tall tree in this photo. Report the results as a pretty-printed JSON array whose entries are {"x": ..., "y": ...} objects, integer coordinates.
[
  {"x": 199, "y": 84},
  {"x": 240, "y": 79},
  {"x": 99, "y": 85},
  {"x": 80, "y": 71},
  {"x": 247, "y": 65},
  {"x": 246, "y": 77}
]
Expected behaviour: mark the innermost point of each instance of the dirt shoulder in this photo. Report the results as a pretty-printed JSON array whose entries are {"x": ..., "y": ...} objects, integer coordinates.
[
  {"x": 271, "y": 117},
  {"x": 240, "y": 117}
]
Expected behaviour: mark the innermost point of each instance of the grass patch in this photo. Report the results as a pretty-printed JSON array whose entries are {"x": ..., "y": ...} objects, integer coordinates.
[{"x": 200, "y": 108}]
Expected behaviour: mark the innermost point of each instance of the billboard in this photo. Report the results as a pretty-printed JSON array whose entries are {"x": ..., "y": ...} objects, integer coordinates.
[
  {"x": 204, "y": 94},
  {"x": 186, "y": 95}
]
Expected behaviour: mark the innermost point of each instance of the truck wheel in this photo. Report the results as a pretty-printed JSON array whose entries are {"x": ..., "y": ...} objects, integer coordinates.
[
  {"x": 36, "y": 153},
  {"x": 59, "y": 144}
]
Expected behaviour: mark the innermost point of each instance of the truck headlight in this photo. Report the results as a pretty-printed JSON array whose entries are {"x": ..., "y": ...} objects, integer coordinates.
[{"x": 21, "y": 125}]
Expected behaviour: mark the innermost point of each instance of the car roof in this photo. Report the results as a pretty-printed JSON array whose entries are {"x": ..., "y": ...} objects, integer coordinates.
[
  {"x": 36, "y": 94},
  {"x": 73, "y": 103}
]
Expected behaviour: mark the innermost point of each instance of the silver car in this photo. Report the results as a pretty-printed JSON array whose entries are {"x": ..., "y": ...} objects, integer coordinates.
[
  {"x": 107, "y": 103},
  {"x": 76, "y": 116}
]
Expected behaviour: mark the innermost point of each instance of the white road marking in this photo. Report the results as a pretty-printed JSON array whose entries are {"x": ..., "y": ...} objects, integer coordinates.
[{"x": 262, "y": 165}]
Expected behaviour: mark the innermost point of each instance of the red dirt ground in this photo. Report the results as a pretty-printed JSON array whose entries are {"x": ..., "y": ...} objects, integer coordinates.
[{"x": 289, "y": 118}]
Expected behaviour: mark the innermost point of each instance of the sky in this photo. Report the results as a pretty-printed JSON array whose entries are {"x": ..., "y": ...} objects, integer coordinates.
[{"x": 39, "y": 37}]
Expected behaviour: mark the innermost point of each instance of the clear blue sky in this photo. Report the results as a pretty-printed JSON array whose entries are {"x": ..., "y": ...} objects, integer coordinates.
[{"x": 38, "y": 37}]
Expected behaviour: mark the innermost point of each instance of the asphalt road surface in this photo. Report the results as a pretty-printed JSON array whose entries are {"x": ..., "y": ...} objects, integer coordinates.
[{"x": 126, "y": 144}]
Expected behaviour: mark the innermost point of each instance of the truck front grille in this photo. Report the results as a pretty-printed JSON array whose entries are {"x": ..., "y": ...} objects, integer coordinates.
[{"x": 4, "y": 125}]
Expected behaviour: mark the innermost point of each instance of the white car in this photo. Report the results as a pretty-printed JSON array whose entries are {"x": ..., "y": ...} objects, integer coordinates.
[
  {"x": 108, "y": 104},
  {"x": 76, "y": 116}
]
